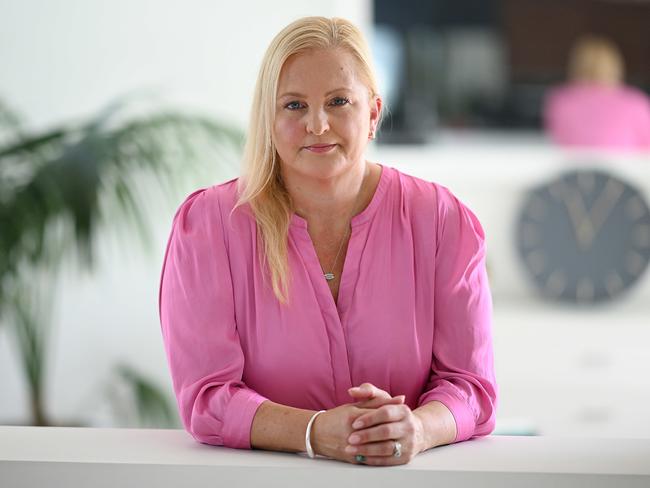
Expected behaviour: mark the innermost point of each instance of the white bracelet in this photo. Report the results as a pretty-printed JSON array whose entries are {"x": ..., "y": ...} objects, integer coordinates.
[{"x": 310, "y": 451}]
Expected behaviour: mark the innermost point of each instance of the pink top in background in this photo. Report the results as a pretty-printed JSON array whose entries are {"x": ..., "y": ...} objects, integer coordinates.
[
  {"x": 413, "y": 315},
  {"x": 601, "y": 116}
]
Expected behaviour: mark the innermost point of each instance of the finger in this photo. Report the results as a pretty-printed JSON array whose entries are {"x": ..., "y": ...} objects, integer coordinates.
[
  {"x": 362, "y": 394},
  {"x": 378, "y": 402},
  {"x": 383, "y": 448},
  {"x": 377, "y": 433},
  {"x": 362, "y": 387},
  {"x": 381, "y": 415},
  {"x": 369, "y": 396},
  {"x": 384, "y": 460},
  {"x": 367, "y": 390},
  {"x": 381, "y": 453}
]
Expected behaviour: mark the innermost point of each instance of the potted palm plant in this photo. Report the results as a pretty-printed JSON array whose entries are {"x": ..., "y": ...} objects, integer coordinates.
[{"x": 56, "y": 187}]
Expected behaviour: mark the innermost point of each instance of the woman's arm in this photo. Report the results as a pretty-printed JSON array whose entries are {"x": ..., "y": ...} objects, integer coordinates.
[
  {"x": 438, "y": 425},
  {"x": 197, "y": 317},
  {"x": 278, "y": 427},
  {"x": 462, "y": 367},
  {"x": 459, "y": 400}
]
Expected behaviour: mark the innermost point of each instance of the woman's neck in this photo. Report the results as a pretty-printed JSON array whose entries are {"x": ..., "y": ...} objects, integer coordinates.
[{"x": 332, "y": 201}]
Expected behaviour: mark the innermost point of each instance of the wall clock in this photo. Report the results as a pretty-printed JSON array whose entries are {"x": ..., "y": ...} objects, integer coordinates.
[{"x": 585, "y": 236}]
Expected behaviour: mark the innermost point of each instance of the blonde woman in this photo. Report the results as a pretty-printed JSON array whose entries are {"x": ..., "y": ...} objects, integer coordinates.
[
  {"x": 595, "y": 108},
  {"x": 323, "y": 303}
]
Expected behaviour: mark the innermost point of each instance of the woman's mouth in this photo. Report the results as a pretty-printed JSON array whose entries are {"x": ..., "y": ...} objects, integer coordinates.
[{"x": 321, "y": 148}]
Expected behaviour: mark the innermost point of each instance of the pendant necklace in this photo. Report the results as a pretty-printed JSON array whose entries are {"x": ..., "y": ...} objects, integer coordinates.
[{"x": 330, "y": 276}]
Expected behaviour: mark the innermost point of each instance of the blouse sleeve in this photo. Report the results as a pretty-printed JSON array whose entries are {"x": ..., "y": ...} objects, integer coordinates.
[
  {"x": 462, "y": 368},
  {"x": 199, "y": 331}
]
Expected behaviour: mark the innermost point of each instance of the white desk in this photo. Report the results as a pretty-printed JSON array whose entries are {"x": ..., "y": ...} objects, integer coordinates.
[{"x": 72, "y": 457}]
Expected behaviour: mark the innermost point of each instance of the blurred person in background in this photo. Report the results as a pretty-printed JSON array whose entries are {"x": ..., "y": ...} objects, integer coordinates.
[
  {"x": 595, "y": 108},
  {"x": 322, "y": 302}
]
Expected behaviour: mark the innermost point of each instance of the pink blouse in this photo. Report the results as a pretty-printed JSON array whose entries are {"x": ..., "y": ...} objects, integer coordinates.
[
  {"x": 591, "y": 115},
  {"x": 413, "y": 314}
]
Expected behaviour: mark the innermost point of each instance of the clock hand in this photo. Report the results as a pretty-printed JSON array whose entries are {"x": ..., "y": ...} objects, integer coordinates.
[
  {"x": 582, "y": 225},
  {"x": 604, "y": 205}
]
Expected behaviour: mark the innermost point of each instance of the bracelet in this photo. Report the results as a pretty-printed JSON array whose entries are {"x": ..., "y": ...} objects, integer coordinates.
[{"x": 310, "y": 451}]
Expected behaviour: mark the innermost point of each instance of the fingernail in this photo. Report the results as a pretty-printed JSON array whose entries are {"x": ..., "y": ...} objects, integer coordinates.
[
  {"x": 350, "y": 449},
  {"x": 353, "y": 439},
  {"x": 357, "y": 424}
]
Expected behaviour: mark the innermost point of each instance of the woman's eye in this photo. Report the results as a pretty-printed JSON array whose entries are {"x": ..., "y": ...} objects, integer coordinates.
[
  {"x": 340, "y": 101},
  {"x": 293, "y": 105}
]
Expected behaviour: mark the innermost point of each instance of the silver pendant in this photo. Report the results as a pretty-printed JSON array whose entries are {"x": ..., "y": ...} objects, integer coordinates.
[{"x": 329, "y": 276}]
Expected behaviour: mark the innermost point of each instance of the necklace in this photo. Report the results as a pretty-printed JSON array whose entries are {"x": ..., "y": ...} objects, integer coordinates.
[{"x": 330, "y": 276}]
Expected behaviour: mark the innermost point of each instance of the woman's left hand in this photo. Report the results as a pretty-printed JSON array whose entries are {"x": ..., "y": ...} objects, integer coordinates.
[{"x": 378, "y": 431}]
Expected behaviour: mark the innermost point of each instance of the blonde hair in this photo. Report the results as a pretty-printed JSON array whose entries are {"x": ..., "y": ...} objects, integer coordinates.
[
  {"x": 261, "y": 184},
  {"x": 595, "y": 60}
]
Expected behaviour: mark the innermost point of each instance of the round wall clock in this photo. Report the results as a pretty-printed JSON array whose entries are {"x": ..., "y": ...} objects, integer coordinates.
[{"x": 585, "y": 236}]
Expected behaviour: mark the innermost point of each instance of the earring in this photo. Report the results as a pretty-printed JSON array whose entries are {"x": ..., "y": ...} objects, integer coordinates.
[{"x": 371, "y": 135}]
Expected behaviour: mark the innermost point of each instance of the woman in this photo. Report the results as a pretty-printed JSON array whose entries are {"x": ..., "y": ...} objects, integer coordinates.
[
  {"x": 324, "y": 303},
  {"x": 596, "y": 109}
]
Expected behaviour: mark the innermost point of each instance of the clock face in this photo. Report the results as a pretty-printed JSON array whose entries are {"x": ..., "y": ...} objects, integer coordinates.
[{"x": 584, "y": 237}]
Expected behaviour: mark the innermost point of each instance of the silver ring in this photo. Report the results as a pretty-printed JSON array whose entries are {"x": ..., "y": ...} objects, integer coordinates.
[{"x": 397, "y": 449}]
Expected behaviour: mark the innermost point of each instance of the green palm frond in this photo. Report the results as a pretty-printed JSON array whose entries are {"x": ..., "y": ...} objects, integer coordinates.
[
  {"x": 59, "y": 186},
  {"x": 65, "y": 174}
]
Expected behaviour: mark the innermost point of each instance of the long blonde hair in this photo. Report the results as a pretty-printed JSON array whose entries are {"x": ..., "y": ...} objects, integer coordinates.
[
  {"x": 261, "y": 184},
  {"x": 595, "y": 60}
]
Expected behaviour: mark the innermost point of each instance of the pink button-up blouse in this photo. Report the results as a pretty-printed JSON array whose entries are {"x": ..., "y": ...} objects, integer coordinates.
[
  {"x": 601, "y": 116},
  {"x": 413, "y": 314}
]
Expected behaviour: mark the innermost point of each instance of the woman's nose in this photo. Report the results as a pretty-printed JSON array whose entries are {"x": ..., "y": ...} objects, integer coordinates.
[{"x": 317, "y": 122}]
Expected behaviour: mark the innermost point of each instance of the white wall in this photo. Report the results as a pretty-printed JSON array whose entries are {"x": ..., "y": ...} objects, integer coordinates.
[{"x": 70, "y": 57}]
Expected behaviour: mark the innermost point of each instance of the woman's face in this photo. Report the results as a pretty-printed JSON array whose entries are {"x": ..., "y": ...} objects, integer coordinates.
[{"x": 323, "y": 115}]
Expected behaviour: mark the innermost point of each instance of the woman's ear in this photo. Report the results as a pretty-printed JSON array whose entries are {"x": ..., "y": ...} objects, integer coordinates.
[{"x": 376, "y": 104}]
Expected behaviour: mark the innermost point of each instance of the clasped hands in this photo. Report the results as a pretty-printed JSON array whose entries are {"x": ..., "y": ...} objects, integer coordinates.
[{"x": 369, "y": 428}]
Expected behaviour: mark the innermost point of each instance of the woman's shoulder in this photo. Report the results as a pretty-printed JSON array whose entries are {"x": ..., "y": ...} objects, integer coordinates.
[
  {"x": 203, "y": 205},
  {"x": 419, "y": 191},
  {"x": 428, "y": 200}
]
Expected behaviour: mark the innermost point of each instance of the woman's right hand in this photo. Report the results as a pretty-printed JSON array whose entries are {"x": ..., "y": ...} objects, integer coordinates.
[{"x": 331, "y": 429}]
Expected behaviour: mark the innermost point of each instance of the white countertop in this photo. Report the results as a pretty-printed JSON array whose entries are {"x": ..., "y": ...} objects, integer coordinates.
[{"x": 68, "y": 457}]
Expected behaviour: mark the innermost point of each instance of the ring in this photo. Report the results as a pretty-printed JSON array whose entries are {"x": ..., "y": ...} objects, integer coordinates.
[
  {"x": 360, "y": 458},
  {"x": 397, "y": 449}
]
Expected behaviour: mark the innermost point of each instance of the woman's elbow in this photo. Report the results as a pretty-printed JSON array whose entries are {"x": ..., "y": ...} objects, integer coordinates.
[
  {"x": 487, "y": 426},
  {"x": 486, "y": 420},
  {"x": 198, "y": 420}
]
